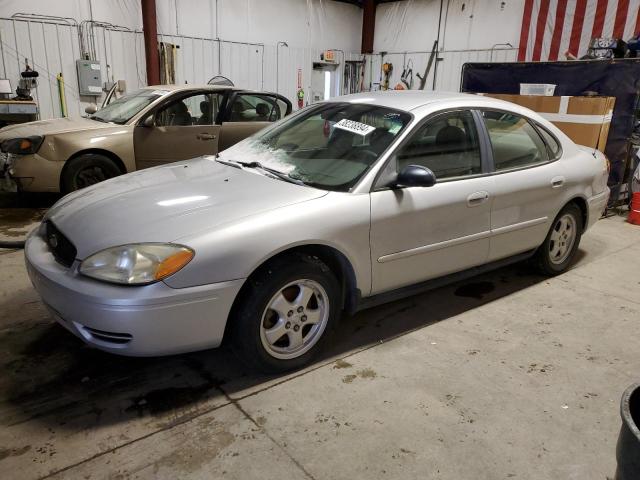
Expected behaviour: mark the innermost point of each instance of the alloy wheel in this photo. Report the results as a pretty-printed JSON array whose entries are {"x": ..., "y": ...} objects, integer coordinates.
[
  {"x": 563, "y": 237},
  {"x": 295, "y": 319}
]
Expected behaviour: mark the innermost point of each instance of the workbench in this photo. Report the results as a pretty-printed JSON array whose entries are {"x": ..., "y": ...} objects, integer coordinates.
[{"x": 17, "y": 111}]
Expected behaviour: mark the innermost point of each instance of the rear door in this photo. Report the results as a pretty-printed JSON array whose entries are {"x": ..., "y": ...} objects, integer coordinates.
[
  {"x": 183, "y": 127},
  {"x": 247, "y": 113},
  {"x": 529, "y": 186}
]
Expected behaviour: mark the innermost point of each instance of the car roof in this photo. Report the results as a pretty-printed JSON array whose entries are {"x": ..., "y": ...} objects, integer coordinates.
[
  {"x": 412, "y": 99},
  {"x": 189, "y": 86}
]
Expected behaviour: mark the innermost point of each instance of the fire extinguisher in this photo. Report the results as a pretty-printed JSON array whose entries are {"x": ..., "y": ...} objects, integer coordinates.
[{"x": 300, "y": 96}]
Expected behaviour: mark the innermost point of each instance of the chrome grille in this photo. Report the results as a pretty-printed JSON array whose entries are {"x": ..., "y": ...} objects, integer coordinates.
[{"x": 63, "y": 250}]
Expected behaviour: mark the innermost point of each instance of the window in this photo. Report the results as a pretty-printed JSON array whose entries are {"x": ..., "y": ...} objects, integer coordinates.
[
  {"x": 448, "y": 145},
  {"x": 257, "y": 108},
  {"x": 514, "y": 141},
  {"x": 124, "y": 108},
  {"x": 551, "y": 141},
  {"x": 327, "y": 85},
  {"x": 198, "y": 109}
]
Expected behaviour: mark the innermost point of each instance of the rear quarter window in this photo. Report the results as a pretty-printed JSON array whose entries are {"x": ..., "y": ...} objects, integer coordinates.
[{"x": 552, "y": 142}]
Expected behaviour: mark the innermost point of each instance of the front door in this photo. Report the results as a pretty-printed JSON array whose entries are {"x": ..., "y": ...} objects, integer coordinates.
[
  {"x": 248, "y": 113},
  {"x": 420, "y": 233},
  {"x": 182, "y": 128}
]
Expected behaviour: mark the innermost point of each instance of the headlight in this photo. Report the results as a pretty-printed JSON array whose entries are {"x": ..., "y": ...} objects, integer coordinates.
[
  {"x": 22, "y": 146},
  {"x": 136, "y": 264}
]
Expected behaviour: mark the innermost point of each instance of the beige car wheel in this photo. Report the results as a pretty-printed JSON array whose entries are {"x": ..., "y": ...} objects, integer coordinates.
[{"x": 87, "y": 170}]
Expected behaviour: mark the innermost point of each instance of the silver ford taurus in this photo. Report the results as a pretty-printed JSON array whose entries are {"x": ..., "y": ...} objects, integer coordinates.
[{"x": 342, "y": 206}]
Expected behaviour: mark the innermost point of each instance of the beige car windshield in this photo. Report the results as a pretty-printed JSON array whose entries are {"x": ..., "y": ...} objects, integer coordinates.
[{"x": 121, "y": 110}]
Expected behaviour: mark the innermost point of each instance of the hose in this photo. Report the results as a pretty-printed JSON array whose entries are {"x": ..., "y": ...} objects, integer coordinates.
[{"x": 12, "y": 244}]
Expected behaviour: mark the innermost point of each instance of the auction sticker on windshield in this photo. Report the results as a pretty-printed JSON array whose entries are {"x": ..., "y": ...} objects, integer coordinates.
[{"x": 354, "y": 127}]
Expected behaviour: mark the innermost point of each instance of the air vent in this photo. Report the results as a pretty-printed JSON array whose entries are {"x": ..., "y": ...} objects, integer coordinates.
[{"x": 109, "y": 337}]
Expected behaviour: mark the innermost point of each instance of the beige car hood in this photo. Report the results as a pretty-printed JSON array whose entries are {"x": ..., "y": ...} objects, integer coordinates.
[{"x": 52, "y": 127}]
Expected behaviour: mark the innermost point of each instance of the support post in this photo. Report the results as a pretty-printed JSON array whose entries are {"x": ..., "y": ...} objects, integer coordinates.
[
  {"x": 368, "y": 25},
  {"x": 150, "y": 30}
]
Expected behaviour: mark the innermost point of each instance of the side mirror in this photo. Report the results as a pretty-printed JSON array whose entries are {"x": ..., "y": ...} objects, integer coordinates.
[
  {"x": 91, "y": 109},
  {"x": 416, "y": 176},
  {"x": 148, "y": 122}
]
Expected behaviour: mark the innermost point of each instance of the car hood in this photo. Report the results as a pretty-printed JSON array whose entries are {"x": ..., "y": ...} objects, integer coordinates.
[
  {"x": 165, "y": 203},
  {"x": 52, "y": 127}
]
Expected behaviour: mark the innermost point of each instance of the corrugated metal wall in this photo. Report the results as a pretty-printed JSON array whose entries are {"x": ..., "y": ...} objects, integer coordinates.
[
  {"x": 449, "y": 68},
  {"x": 52, "y": 46}
]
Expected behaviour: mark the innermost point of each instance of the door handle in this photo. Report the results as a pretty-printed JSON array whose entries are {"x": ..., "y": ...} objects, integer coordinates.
[
  {"x": 557, "y": 182},
  {"x": 477, "y": 198},
  {"x": 205, "y": 136}
]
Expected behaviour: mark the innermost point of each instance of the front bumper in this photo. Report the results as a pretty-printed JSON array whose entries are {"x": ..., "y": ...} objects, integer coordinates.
[
  {"x": 34, "y": 173},
  {"x": 138, "y": 321}
]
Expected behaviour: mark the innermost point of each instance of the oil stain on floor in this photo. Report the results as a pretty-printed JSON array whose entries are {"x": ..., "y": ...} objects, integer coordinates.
[
  {"x": 15, "y": 223},
  {"x": 475, "y": 290}
]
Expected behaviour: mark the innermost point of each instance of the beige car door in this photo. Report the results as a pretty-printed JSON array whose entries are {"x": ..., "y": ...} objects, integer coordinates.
[
  {"x": 180, "y": 129},
  {"x": 248, "y": 113}
]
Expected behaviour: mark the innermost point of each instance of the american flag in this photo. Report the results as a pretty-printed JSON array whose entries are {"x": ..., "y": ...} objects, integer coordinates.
[{"x": 552, "y": 27}]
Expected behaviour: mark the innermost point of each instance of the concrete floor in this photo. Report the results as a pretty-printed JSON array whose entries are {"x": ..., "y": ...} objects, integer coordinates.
[{"x": 507, "y": 375}]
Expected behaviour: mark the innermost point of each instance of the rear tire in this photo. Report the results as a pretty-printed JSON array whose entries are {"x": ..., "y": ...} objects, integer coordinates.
[
  {"x": 559, "y": 248},
  {"x": 286, "y": 314},
  {"x": 87, "y": 170}
]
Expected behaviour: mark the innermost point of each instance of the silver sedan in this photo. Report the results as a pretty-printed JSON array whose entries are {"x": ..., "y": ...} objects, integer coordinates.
[{"x": 346, "y": 204}]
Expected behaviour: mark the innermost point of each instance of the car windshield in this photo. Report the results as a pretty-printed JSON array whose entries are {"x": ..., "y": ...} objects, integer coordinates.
[
  {"x": 124, "y": 108},
  {"x": 328, "y": 146}
]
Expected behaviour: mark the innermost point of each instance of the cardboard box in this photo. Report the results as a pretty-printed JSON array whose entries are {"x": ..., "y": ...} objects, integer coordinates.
[{"x": 585, "y": 120}]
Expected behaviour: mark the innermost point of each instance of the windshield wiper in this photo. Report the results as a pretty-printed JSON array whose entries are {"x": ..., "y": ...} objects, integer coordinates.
[
  {"x": 98, "y": 119},
  {"x": 231, "y": 163},
  {"x": 281, "y": 175}
]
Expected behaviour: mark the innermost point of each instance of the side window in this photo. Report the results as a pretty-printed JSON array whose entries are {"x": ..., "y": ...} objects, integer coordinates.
[
  {"x": 257, "y": 108},
  {"x": 514, "y": 141},
  {"x": 198, "y": 109},
  {"x": 551, "y": 141},
  {"x": 448, "y": 145}
]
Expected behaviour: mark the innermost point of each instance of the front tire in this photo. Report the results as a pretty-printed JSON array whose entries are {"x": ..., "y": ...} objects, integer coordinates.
[
  {"x": 285, "y": 314},
  {"x": 87, "y": 170},
  {"x": 559, "y": 248}
]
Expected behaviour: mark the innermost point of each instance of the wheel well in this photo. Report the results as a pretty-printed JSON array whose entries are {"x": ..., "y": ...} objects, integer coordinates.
[
  {"x": 105, "y": 153},
  {"x": 582, "y": 205},
  {"x": 333, "y": 258}
]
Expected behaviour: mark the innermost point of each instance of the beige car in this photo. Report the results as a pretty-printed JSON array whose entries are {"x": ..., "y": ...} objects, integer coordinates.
[{"x": 149, "y": 127}]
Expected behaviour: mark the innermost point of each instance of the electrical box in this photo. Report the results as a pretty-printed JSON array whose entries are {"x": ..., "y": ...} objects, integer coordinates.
[{"x": 89, "y": 77}]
